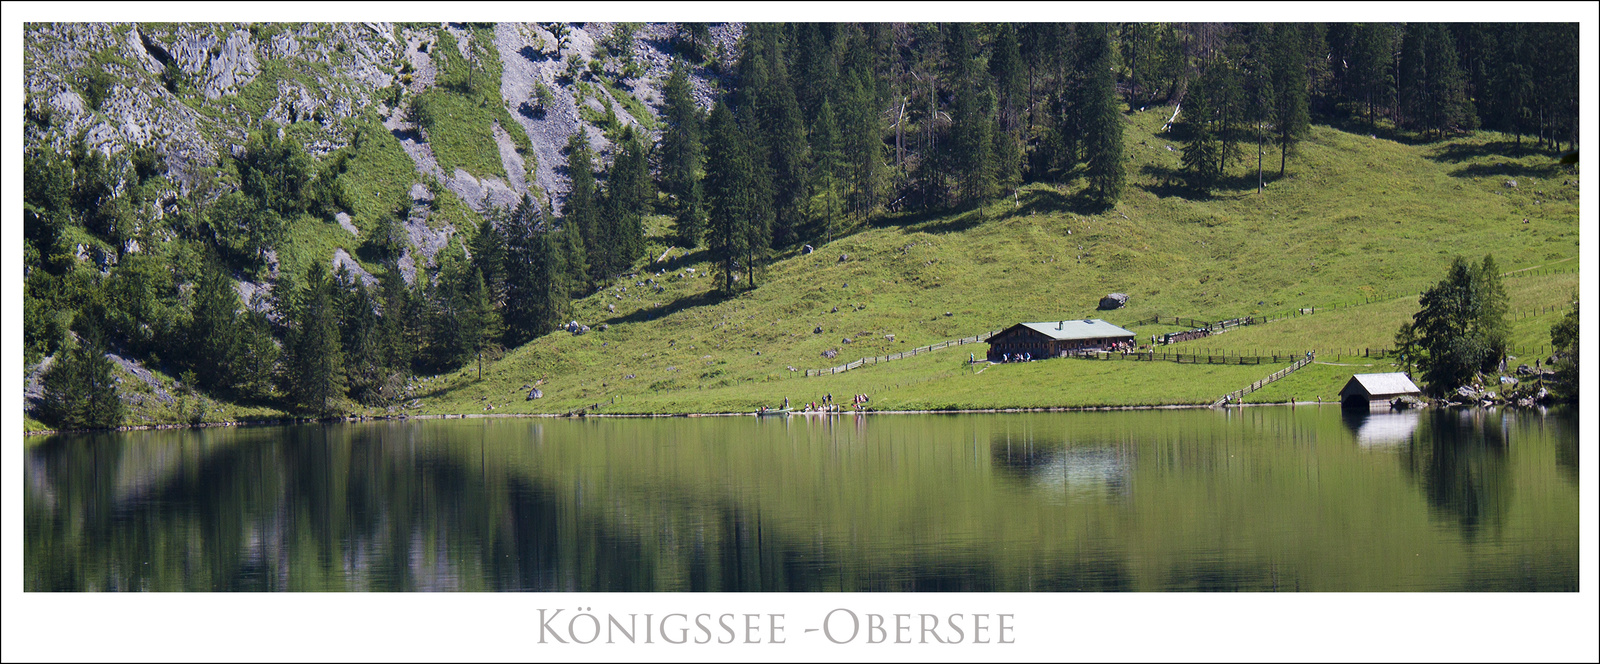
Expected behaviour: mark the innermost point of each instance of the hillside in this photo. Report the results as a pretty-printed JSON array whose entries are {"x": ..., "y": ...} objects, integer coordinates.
[
  {"x": 414, "y": 134},
  {"x": 1360, "y": 219}
]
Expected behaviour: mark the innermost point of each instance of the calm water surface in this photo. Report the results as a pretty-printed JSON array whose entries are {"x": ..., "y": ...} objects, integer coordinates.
[{"x": 1259, "y": 499}]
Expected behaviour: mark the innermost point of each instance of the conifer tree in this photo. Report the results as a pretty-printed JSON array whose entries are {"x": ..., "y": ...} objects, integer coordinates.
[
  {"x": 971, "y": 143},
  {"x": 862, "y": 134},
  {"x": 213, "y": 329},
  {"x": 489, "y": 256},
  {"x": 398, "y": 329},
  {"x": 361, "y": 337},
  {"x": 827, "y": 173},
  {"x": 80, "y": 390},
  {"x": 535, "y": 287},
  {"x": 314, "y": 380},
  {"x": 783, "y": 128},
  {"x": 627, "y": 200},
  {"x": 1103, "y": 123},
  {"x": 1432, "y": 87},
  {"x": 729, "y": 195},
  {"x": 682, "y": 151},
  {"x": 1369, "y": 65},
  {"x": 1011, "y": 88},
  {"x": 582, "y": 209},
  {"x": 1292, "y": 113}
]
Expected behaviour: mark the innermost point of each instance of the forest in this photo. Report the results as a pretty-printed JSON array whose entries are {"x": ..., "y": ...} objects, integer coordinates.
[{"x": 817, "y": 130}]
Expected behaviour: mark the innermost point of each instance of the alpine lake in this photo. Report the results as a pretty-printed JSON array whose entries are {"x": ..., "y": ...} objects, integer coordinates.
[{"x": 1251, "y": 499}]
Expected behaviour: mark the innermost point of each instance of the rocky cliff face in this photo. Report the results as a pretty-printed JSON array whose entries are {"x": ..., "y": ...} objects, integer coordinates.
[{"x": 195, "y": 91}]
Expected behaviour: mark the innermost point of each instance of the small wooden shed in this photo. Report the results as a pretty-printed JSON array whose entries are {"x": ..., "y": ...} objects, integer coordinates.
[{"x": 1369, "y": 390}]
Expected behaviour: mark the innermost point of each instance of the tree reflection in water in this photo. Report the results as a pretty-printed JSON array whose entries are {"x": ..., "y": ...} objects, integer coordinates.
[{"x": 1258, "y": 499}]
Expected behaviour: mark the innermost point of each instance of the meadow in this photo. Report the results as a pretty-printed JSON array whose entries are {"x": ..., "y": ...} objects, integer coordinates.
[{"x": 1356, "y": 229}]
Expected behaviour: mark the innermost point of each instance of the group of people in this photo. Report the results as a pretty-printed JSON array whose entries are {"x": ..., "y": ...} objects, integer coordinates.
[
  {"x": 826, "y": 404},
  {"x": 1017, "y": 357}
]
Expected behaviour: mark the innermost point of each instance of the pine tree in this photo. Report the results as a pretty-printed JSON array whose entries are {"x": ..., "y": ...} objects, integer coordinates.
[
  {"x": 582, "y": 209},
  {"x": 1369, "y": 65},
  {"x": 1103, "y": 123},
  {"x": 213, "y": 329},
  {"x": 827, "y": 173},
  {"x": 1292, "y": 112},
  {"x": 489, "y": 256},
  {"x": 729, "y": 195},
  {"x": 398, "y": 329},
  {"x": 681, "y": 152},
  {"x": 783, "y": 127},
  {"x": 80, "y": 390},
  {"x": 862, "y": 134},
  {"x": 627, "y": 199},
  {"x": 361, "y": 337},
  {"x": 527, "y": 311},
  {"x": 1011, "y": 86},
  {"x": 1202, "y": 152},
  {"x": 314, "y": 364}
]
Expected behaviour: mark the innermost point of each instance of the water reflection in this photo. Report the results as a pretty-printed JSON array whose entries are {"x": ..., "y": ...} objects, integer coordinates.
[
  {"x": 1382, "y": 429},
  {"x": 1462, "y": 467},
  {"x": 1196, "y": 501}
]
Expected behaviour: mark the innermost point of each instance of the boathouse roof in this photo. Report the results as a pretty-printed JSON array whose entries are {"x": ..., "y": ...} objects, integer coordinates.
[{"x": 1380, "y": 385}]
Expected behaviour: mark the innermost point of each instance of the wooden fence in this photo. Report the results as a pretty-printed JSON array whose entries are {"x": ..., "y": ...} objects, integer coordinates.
[
  {"x": 865, "y": 361},
  {"x": 1237, "y": 395},
  {"x": 1185, "y": 358}
]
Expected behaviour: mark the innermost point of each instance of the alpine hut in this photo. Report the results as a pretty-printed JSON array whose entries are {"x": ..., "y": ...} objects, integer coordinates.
[
  {"x": 1056, "y": 338},
  {"x": 1368, "y": 390}
]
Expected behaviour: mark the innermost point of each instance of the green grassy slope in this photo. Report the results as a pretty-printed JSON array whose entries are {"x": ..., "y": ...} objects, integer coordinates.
[{"x": 1357, "y": 219}]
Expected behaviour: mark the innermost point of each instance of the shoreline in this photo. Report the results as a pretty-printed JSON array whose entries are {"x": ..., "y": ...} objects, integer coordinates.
[{"x": 466, "y": 416}]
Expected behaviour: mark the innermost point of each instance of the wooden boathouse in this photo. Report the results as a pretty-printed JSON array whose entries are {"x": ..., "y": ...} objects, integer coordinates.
[
  {"x": 1372, "y": 391},
  {"x": 1056, "y": 339}
]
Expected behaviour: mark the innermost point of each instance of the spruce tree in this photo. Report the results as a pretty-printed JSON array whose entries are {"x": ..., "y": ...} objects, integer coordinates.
[
  {"x": 827, "y": 173},
  {"x": 971, "y": 144},
  {"x": 361, "y": 337},
  {"x": 1011, "y": 87},
  {"x": 1201, "y": 152},
  {"x": 398, "y": 329},
  {"x": 1103, "y": 123},
  {"x": 729, "y": 195},
  {"x": 582, "y": 207},
  {"x": 861, "y": 130},
  {"x": 314, "y": 381},
  {"x": 80, "y": 389},
  {"x": 681, "y": 152},
  {"x": 783, "y": 128},
  {"x": 526, "y": 311},
  {"x": 489, "y": 256},
  {"x": 213, "y": 329},
  {"x": 1292, "y": 112},
  {"x": 627, "y": 199}
]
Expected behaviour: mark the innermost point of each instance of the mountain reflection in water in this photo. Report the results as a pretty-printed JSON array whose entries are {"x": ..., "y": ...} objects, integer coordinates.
[{"x": 1251, "y": 499}]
